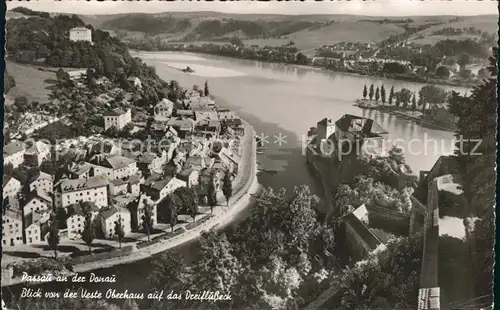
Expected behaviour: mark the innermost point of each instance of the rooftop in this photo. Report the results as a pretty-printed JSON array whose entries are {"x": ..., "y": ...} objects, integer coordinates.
[
  {"x": 360, "y": 125},
  {"x": 13, "y": 147},
  {"x": 67, "y": 185},
  {"x": 108, "y": 212},
  {"x": 116, "y": 112}
]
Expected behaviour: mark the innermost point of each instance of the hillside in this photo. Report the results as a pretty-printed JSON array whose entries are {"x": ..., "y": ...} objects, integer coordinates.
[{"x": 307, "y": 31}]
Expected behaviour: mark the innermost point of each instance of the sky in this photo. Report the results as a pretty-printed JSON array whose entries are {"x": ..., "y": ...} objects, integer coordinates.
[{"x": 355, "y": 7}]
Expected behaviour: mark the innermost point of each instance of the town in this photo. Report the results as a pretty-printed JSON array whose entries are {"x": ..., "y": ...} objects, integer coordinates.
[{"x": 88, "y": 188}]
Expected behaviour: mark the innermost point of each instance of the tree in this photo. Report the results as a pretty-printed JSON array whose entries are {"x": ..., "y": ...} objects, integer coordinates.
[
  {"x": 405, "y": 97},
  {"x": 377, "y": 94},
  {"x": 207, "y": 92},
  {"x": 219, "y": 268},
  {"x": 88, "y": 233},
  {"x": 370, "y": 94},
  {"x": 463, "y": 60},
  {"x": 391, "y": 95},
  {"x": 397, "y": 274},
  {"x": 382, "y": 94},
  {"x": 211, "y": 195},
  {"x": 483, "y": 73},
  {"x": 443, "y": 72},
  {"x": 166, "y": 271},
  {"x": 147, "y": 220},
  {"x": 413, "y": 103},
  {"x": 186, "y": 202},
  {"x": 431, "y": 94},
  {"x": 119, "y": 232},
  {"x": 365, "y": 92},
  {"x": 53, "y": 237},
  {"x": 227, "y": 186}
]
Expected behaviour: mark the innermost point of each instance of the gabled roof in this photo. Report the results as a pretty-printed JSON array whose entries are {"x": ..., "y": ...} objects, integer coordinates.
[
  {"x": 108, "y": 212},
  {"x": 13, "y": 214},
  {"x": 38, "y": 194},
  {"x": 68, "y": 185},
  {"x": 116, "y": 112},
  {"x": 75, "y": 209},
  {"x": 325, "y": 122},
  {"x": 165, "y": 102},
  {"x": 37, "y": 148},
  {"x": 117, "y": 162},
  {"x": 352, "y": 123},
  {"x": 7, "y": 179},
  {"x": 13, "y": 147},
  {"x": 38, "y": 174},
  {"x": 146, "y": 158},
  {"x": 185, "y": 173}
]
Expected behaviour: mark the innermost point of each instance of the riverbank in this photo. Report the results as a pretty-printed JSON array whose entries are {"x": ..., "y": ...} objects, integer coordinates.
[
  {"x": 245, "y": 186},
  {"x": 396, "y": 77},
  {"x": 415, "y": 116}
]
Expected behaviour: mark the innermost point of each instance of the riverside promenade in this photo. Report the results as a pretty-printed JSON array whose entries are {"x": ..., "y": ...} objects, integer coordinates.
[{"x": 244, "y": 186}]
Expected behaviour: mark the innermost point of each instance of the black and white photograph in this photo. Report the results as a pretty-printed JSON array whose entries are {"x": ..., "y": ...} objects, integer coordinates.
[{"x": 277, "y": 155}]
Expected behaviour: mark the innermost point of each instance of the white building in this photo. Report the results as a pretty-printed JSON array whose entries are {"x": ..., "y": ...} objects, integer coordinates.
[
  {"x": 117, "y": 119},
  {"x": 80, "y": 34},
  {"x": 115, "y": 167},
  {"x": 36, "y": 201},
  {"x": 12, "y": 228},
  {"x": 163, "y": 110},
  {"x": 93, "y": 189},
  {"x": 138, "y": 210},
  {"x": 37, "y": 153},
  {"x": 13, "y": 153},
  {"x": 76, "y": 218},
  {"x": 158, "y": 187},
  {"x": 11, "y": 186},
  {"x": 109, "y": 216},
  {"x": 41, "y": 181}
]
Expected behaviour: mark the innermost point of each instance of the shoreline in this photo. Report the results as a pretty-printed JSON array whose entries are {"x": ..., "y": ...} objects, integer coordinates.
[
  {"x": 311, "y": 67},
  {"x": 222, "y": 217}
]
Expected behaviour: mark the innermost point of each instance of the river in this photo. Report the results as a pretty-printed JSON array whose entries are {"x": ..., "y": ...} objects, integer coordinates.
[{"x": 283, "y": 101}]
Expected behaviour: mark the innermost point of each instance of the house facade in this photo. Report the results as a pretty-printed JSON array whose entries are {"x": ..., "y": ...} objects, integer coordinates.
[
  {"x": 11, "y": 186},
  {"x": 163, "y": 110},
  {"x": 114, "y": 167},
  {"x": 13, "y": 153},
  {"x": 12, "y": 228},
  {"x": 93, "y": 189},
  {"x": 41, "y": 181},
  {"x": 80, "y": 34},
  {"x": 37, "y": 201},
  {"x": 108, "y": 217},
  {"x": 37, "y": 153}
]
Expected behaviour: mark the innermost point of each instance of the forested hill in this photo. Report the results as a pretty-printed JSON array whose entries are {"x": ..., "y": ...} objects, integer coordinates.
[{"x": 41, "y": 39}]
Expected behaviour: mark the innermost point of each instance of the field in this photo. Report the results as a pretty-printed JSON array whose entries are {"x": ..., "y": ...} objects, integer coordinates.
[
  {"x": 307, "y": 31},
  {"x": 30, "y": 82}
]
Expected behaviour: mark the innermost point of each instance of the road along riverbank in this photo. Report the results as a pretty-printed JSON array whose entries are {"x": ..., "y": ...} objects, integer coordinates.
[{"x": 245, "y": 186}]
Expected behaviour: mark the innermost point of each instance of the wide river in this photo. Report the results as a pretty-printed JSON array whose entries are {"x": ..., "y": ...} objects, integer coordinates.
[{"x": 284, "y": 101}]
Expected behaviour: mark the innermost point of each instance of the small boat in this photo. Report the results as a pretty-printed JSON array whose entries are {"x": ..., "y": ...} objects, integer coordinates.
[{"x": 188, "y": 70}]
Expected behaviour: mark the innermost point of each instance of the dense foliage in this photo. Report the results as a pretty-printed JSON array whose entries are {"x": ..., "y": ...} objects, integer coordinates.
[
  {"x": 263, "y": 263},
  {"x": 389, "y": 280},
  {"x": 366, "y": 191}
]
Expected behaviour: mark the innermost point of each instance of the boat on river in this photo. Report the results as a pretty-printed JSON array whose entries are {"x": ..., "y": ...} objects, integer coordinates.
[{"x": 188, "y": 70}]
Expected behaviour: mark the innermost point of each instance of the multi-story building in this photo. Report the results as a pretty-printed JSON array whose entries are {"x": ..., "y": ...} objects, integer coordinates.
[
  {"x": 93, "y": 189},
  {"x": 12, "y": 227},
  {"x": 117, "y": 119},
  {"x": 115, "y": 167},
  {"x": 137, "y": 209},
  {"x": 40, "y": 181},
  {"x": 190, "y": 176},
  {"x": 36, "y": 201},
  {"x": 158, "y": 186},
  {"x": 76, "y": 218},
  {"x": 163, "y": 110},
  {"x": 11, "y": 186},
  {"x": 150, "y": 162},
  {"x": 13, "y": 153},
  {"x": 80, "y": 34},
  {"x": 73, "y": 170},
  {"x": 109, "y": 216},
  {"x": 33, "y": 224}
]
